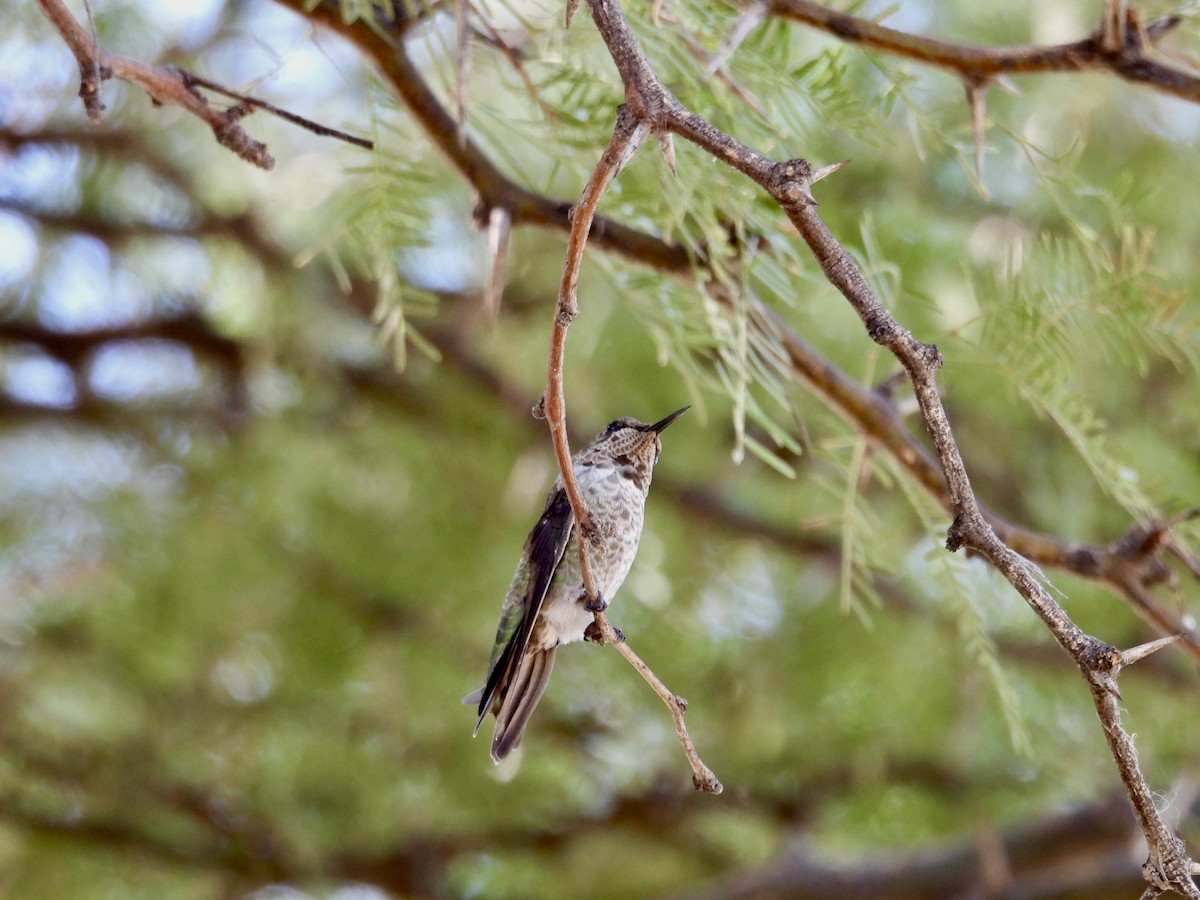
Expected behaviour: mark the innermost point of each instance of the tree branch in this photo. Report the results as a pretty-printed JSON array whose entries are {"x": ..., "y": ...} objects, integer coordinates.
[
  {"x": 789, "y": 184},
  {"x": 628, "y": 134},
  {"x": 627, "y": 137},
  {"x": 1122, "y": 54},
  {"x": 171, "y": 87}
]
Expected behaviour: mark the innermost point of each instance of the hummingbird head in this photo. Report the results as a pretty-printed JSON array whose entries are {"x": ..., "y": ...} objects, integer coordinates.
[{"x": 631, "y": 446}]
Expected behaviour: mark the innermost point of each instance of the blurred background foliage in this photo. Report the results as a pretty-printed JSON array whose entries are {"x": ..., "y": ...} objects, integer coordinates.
[{"x": 266, "y": 464}]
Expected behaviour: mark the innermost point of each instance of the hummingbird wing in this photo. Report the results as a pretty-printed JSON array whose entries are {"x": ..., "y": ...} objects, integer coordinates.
[{"x": 543, "y": 551}]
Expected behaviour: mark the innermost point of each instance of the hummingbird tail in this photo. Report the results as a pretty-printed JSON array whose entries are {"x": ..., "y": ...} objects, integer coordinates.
[{"x": 520, "y": 700}]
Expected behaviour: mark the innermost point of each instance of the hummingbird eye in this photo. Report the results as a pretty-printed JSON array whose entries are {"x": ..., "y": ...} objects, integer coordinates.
[{"x": 612, "y": 427}]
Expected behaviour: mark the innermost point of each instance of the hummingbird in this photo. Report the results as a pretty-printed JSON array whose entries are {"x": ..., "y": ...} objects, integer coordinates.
[{"x": 546, "y": 604}]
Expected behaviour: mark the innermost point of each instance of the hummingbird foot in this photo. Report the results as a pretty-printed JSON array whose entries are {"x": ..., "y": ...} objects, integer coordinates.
[
  {"x": 593, "y": 634},
  {"x": 597, "y": 605}
]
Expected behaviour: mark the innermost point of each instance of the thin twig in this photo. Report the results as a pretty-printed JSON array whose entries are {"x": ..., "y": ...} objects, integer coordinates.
[
  {"x": 628, "y": 134},
  {"x": 695, "y": 49},
  {"x": 308, "y": 124},
  {"x": 165, "y": 85},
  {"x": 702, "y": 776}
]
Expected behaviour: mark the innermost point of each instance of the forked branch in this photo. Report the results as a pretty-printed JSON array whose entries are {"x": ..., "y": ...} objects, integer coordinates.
[
  {"x": 789, "y": 183},
  {"x": 170, "y": 86}
]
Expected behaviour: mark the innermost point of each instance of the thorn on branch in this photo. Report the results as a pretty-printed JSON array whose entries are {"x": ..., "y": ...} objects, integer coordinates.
[
  {"x": 826, "y": 171},
  {"x": 799, "y": 193},
  {"x": 666, "y": 143},
  {"x": 499, "y": 230},
  {"x": 795, "y": 178},
  {"x": 1160, "y": 28},
  {"x": 1112, "y": 27},
  {"x": 977, "y": 101},
  {"x": 1141, "y": 651},
  {"x": 640, "y": 130},
  {"x": 793, "y": 183},
  {"x": 1108, "y": 684},
  {"x": 1009, "y": 87}
]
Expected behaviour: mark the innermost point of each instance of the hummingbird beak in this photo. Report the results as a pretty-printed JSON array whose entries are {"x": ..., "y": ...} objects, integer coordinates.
[{"x": 660, "y": 426}]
